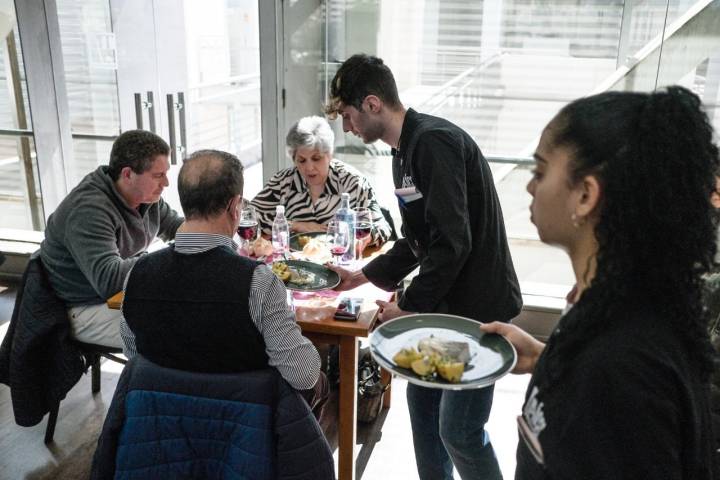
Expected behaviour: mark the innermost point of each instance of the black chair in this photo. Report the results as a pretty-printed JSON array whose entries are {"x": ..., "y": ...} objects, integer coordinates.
[
  {"x": 92, "y": 354},
  {"x": 39, "y": 360}
]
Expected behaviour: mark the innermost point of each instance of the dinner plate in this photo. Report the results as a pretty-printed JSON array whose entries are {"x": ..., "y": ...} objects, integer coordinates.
[
  {"x": 323, "y": 277},
  {"x": 295, "y": 239},
  {"x": 491, "y": 355}
]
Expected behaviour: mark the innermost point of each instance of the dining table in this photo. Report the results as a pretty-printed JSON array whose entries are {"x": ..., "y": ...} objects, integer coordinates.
[{"x": 319, "y": 326}]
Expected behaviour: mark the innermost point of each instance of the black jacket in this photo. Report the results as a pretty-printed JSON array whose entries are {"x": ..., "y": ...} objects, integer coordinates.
[
  {"x": 38, "y": 359},
  {"x": 455, "y": 232},
  {"x": 167, "y": 423}
]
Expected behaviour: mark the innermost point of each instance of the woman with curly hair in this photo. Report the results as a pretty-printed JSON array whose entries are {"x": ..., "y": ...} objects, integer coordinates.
[{"x": 620, "y": 391}]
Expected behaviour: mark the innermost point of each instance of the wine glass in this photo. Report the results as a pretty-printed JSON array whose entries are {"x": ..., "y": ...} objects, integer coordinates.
[
  {"x": 363, "y": 228},
  {"x": 248, "y": 227},
  {"x": 363, "y": 223},
  {"x": 338, "y": 237}
]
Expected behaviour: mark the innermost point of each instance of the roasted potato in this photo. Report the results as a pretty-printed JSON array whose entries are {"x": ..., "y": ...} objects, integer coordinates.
[
  {"x": 450, "y": 371},
  {"x": 405, "y": 357}
]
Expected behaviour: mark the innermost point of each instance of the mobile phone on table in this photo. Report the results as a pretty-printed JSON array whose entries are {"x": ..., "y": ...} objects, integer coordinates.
[{"x": 348, "y": 309}]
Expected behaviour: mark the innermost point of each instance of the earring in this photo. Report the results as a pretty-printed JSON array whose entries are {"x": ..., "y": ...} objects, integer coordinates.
[{"x": 574, "y": 219}]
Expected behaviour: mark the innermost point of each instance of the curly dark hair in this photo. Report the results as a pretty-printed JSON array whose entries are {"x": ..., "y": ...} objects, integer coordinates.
[
  {"x": 359, "y": 76},
  {"x": 654, "y": 157},
  {"x": 136, "y": 149}
]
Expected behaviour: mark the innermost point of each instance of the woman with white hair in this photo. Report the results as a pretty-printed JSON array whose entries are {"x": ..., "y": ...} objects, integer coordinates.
[{"x": 310, "y": 190}]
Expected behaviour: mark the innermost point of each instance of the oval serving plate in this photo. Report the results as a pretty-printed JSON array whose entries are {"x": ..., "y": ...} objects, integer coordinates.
[
  {"x": 295, "y": 239},
  {"x": 323, "y": 277},
  {"x": 491, "y": 355}
]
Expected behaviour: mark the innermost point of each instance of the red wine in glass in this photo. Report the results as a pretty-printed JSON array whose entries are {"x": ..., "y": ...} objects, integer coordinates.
[
  {"x": 362, "y": 230},
  {"x": 247, "y": 230},
  {"x": 338, "y": 250}
]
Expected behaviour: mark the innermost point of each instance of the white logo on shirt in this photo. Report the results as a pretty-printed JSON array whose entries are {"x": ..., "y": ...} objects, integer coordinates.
[{"x": 533, "y": 412}]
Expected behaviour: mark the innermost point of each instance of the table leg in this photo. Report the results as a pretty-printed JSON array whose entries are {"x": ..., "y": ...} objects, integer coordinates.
[
  {"x": 386, "y": 379},
  {"x": 348, "y": 407}
]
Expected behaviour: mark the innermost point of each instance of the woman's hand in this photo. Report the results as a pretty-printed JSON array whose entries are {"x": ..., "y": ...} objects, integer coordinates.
[
  {"x": 389, "y": 310},
  {"x": 307, "y": 227},
  {"x": 528, "y": 349},
  {"x": 348, "y": 279}
]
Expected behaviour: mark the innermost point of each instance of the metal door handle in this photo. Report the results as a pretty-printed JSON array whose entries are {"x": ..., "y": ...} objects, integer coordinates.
[
  {"x": 138, "y": 112},
  {"x": 171, "y": 128},
  {"x": 150, "y": 105},
  {"x": 141, "y": 105},
  {"x": 181, "y": 122}
]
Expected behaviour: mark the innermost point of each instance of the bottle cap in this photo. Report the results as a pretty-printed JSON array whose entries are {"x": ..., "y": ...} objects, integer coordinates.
[{"x": 280, "y": 209}]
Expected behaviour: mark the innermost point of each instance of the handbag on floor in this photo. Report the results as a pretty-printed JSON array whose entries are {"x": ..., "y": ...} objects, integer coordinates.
[{"x": 370, "y": 388}]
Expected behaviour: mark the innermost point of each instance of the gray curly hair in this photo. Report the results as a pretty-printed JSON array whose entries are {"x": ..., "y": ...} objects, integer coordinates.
[{"x": 313, "y": 132}]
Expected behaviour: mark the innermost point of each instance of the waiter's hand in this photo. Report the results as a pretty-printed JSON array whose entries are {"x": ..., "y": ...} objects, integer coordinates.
[
  {"x": 348, "y": 279},
  {"x": 389, "y": 310}
]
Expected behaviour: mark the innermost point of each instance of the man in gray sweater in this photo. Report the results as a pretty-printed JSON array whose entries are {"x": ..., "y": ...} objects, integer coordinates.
[{"x": 97, "y": 233}]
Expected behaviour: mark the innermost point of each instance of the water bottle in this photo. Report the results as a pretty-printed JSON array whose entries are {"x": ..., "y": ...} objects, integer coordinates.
[
  {"x": 347, "y": 215},
  {"x": 280, "y": 232}
]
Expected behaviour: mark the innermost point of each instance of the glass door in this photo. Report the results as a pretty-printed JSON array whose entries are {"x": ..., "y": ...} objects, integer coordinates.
[
  {"x": 186, "y": 70},
  {"x": 190, "y": 71}
]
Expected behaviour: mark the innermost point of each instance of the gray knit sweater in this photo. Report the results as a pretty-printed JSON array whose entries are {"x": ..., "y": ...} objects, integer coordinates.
[{"x": 93, "y": 239}]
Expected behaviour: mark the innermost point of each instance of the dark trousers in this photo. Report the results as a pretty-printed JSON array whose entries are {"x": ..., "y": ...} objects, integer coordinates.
[
  {"x": 448, "y": 429},
  {"x": 317, "y": 396}
]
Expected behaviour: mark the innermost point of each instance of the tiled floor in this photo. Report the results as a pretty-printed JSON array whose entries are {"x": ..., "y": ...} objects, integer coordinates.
[{"x": 393, "y": 457}]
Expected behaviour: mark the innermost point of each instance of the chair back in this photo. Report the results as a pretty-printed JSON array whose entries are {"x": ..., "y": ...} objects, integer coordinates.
[
  {"x": 38, "y": 359},
  {"x": 167, "y": 423}
]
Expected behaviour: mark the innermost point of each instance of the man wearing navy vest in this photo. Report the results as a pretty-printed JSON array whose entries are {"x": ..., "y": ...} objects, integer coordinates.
[{"x": 199, "y": 306}]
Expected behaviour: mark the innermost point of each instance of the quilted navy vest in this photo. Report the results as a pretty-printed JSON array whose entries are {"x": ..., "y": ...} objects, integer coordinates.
[{"x": 190, "y": 312}]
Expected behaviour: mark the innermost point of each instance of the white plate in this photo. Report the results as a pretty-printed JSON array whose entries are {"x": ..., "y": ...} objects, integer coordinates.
[{"x": 491, "y": 356}]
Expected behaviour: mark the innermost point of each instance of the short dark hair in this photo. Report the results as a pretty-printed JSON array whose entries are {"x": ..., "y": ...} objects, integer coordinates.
[
  {"x": 136, "y": 149},
  {"x": 359, "y": 76},
  {"x": 208, "y": 180}
]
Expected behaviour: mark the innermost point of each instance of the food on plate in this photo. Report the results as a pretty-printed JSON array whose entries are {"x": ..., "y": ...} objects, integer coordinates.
[
  {"x": 314, "y": 247},
  {"x": 435, "y": 357},
  {"x": 303, "y": 240},
  {"x": 291, "y": 275},
  {"x": 424, "y": 366},
  {"x": 406, "y": 356},
  {"x": 451, "y": 371},
  {"x": 282, "y": 271},
  {"x": 301, "y": 278},
  {"x": 458, "y": 351},
  {"x": 260, "y": 247}
]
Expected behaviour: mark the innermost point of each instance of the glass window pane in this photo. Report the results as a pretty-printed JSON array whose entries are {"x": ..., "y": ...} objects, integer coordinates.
[
  {"x": 18, "y": 176},
  {"x": 11, "y": 52},
  {"x": 89, "y": 154},
  {"x": 88, "y": 49},
  {"x": 20, "y": 201},
  {"x": 223, "y": 72}
]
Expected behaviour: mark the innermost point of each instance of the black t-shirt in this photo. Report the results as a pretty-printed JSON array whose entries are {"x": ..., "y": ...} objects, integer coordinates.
[{"x": 629, "y": 406}]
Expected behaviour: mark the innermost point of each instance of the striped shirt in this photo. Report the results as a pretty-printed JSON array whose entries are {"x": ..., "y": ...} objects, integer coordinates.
[
  {"x": 293, "y": 355},
  {"x": 288, "y": 188}
]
